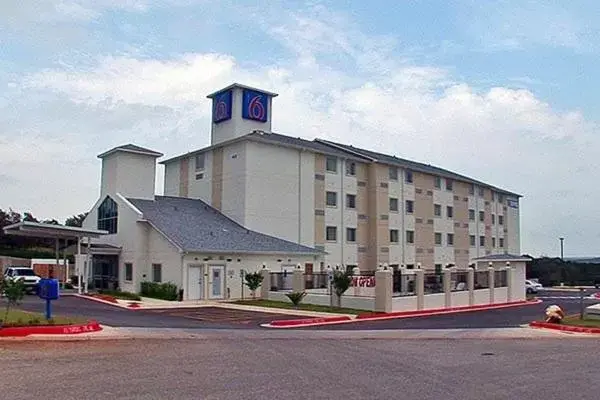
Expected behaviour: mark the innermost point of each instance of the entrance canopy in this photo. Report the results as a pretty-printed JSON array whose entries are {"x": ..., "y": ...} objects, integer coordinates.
[{"x": 49, "y": 231}]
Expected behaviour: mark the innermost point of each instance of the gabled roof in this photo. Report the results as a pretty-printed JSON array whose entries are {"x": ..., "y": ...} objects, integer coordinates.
[
  {"x": 411, "y": 165},
  {"x": 239, "y": 85},
  {"x": 131, "y": 148},
  {"x": 193, "y": 225}
]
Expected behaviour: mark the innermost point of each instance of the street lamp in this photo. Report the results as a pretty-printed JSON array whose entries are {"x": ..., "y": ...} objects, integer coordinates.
[{"x": 562, "y": 239}]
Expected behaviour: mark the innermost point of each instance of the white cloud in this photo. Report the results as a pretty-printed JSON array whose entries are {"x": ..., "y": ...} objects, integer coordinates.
[{"x": 504, "y": 136}]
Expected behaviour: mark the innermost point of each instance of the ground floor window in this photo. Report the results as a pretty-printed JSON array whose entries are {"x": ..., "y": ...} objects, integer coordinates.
[
  {"x": 128, "y": 271},
  {"x": 156, "y": 273}
]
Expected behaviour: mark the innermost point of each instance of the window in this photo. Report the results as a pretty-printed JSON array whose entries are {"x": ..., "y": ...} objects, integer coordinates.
[
  {"x": 410, "y": 236},
  {"x": 493, "y": 242},
  {"x": 501, "y": 242},
  {"x": 472, "y": 240},
  {"x": 351, "y": 201},
  {"x": 410, "y": 266},
  {"x": 493, "y": 196},
  {"x": 408, "y": 176},
  {"x": 449, "y": 184},
  {"x": 351, "y": 235},
  {"x": 156, "y": 273},
  {"x": 331, "y": 199},
  {"x": 450, "y": 239},
  {"x": 199, "y": 176},
  {"x": 500, "y": 219},
  {"x": 350, "y": 168},
  {"x": 393, "y": 204},
  {"x": 331, "y": 234},
  {"x": 500, "y": 198},
  {"x": 409, "y": 206},
  {"x": 437, "y": 210},
  {"x": 438, "y": 268},
  {"x": 393, "y": 172},
  {"x": 438, "y": 238},
  {"x": 493, "y": 219},
  {"x": 199, "y": 162},
  {"x": 437, "y": 181},
  {"x": 331, "y": 165},
  {"x": 482, "y": 241},
  {"x": 108, "y": 215},
  {"x": 394, "y": 236},
  {"x": 450, "y": 212},
  {"x": 471, "y": 189},
  {"x": 128, "y": 272},
  {"x": 472, "y": 215},
  {"x": 482, "y": 216},
  {"x": 480, "y": 192}
]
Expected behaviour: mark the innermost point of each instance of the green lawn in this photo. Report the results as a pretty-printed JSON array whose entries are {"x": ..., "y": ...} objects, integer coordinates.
[
  {"x": 305, "y": 307},
  {"x": 17, "y": 317},
  {"x": 575, "y": 321}
]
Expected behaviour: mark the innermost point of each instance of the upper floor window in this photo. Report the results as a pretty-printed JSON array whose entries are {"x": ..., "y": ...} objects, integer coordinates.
[
  {"x": 437, "y": 182},
  {"x": 331, "y": 164},
  {"x": 331, "y": 199},
  {"x": 351, "y": 201},
  {"x": 409, "y": 206},
  {"x": 393, "y": 172},
  {"x": 471, "y": 189},
  {"x": 408, "y": 176},
  {"x": 350, "y": 168},
  {"x": 108, "y": 215},
  {"x": 481, "y": 191},
  {"x": 199, "y": 162},
  {"x": 449, "y": 184},
  {"x": 393, "y": 204}
]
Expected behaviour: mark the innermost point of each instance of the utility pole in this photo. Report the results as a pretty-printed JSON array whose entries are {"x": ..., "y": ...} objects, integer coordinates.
[{"x": 562, "y": 239}]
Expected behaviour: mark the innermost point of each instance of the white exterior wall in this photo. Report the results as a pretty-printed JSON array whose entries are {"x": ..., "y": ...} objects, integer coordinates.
[
  {"x": 443, "y": 254},
  {"x": 172, "y": 178},
  {"x": 235, "y": 173},
  {"x": 514, "y": 229},
  {"x": 408, "y": 193},
  {"x": 132, "y": 175},
  {"x": 359, "y": 303},
  {"x": 201, "y": 188},
  {"x": 396, "y": 221}
]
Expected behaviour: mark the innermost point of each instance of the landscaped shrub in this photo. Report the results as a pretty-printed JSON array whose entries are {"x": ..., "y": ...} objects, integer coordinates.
[
  {"x": 163, "y": 291},
  {"x": 121, "y": 295}
]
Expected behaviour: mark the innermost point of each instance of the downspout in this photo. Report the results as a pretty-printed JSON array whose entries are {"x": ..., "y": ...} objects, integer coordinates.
[
  {"x": 403, "y": 212},
  {"x": 342, "y": 201},
  {"x": 300, "y": 196}
]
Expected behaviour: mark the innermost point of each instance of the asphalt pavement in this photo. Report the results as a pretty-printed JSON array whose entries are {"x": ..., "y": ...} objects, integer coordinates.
[{"x": 233, "y": 368}]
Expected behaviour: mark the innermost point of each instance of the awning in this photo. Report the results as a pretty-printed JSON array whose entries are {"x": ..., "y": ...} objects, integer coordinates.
[{"x": 40, "y": 230}]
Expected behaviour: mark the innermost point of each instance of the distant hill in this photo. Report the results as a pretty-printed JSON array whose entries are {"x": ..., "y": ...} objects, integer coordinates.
[{"x": 583, "y": 260}]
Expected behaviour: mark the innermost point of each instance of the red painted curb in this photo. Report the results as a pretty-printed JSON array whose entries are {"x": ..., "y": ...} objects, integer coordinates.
[
  {"x": 295, "y": 322},
  {"x": 20, "y": 331},
  {"x": 104, "y": 297},
  {"x": 397, "y": 315},
  {"x": 564, "y": 328}
]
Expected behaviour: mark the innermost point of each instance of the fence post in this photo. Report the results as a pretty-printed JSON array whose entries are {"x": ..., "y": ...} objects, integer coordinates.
[
  {"x": 383, "y": 290},
  {"x": 509, "y": 283},
  {"x": 491, "y": 276},
  {"x": 447, "y": 289},
  {"x": 420, "y": 288},
  {"x": 355, "y": 276},
  {"x": 298, "y": 279},
  {"x": 265, "y": 287},
  {"x": 471, "y": 285}
]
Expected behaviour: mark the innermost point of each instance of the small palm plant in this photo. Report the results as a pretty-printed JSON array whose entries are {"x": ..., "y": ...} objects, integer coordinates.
[
  {"x": 253, "y": 281},
  {"x": 14, "y": 291},
  {"x": 341, "y": 282},
  {"x": 296, "y": 298}
]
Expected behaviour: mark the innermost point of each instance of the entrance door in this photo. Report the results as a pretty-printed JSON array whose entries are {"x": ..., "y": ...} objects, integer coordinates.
[
  {"x": 216, "y": 274},
  {"x": 195, "y": 282}
]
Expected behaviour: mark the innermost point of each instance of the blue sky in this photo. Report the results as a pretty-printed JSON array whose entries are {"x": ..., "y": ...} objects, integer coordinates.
[{"x": 504, "y": 91}]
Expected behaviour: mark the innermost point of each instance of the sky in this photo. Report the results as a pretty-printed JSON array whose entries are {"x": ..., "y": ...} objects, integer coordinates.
[{"x": 503, "y": 91}]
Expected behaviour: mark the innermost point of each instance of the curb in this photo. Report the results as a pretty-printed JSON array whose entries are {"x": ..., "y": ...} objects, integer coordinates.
[
  {"x": 564, "y": 328},
  {"x": 111, "y": 301},
  {"x": 21, "y": 331},
  {"x": 395, "y": 315}
]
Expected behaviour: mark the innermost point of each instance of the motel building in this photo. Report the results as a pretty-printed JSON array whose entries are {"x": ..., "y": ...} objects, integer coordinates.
[{"x": 254, "y": 197}]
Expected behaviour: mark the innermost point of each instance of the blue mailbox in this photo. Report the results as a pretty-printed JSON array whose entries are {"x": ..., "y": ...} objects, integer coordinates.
[{"x": 48, "y": 290}]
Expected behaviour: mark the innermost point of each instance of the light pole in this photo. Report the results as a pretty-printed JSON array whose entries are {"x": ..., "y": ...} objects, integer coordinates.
[{"x": 562, "y": 239}]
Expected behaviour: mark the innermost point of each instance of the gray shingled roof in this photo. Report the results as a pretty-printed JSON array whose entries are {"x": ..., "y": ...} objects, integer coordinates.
[
  {"x": 412, "y": 165},
  {"x": 193, "y": 225},
  {"x": 131, "y": 148}
]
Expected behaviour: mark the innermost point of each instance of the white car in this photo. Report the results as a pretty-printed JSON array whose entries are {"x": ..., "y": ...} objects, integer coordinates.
[
  {"x": 26, "y": 275},
  {"x": 532, "y": 286}
]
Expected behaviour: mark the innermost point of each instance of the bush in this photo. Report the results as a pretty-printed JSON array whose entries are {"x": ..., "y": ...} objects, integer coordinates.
[
  {"x": 121, "y": 295},
  {"x": 253, "y": 281},
  {"x": 296, "y": 297},
  {"x": 163, "y": 291}
]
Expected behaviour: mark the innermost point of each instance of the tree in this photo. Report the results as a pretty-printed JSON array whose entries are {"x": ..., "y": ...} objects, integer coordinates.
[
  {"x": 51, "y": 222},
  {"x": 28, "y": 217},
  {"x": 253, "y": 281},
  {"x": 14, "y": 291},
  {"x": 296, "y": 298},
  {"x": 76, "y": 220},
  {"x": 341, "y": 282}
]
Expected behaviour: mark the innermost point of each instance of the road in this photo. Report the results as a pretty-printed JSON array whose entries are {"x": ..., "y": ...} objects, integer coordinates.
[{"x": 230, "y": 368}]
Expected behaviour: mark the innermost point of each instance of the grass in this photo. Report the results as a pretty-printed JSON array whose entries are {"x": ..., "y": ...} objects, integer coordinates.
[
  {"x": 575, "y": 321},
  {"x": 24, "y": 318},
  {"x": 304, "y": 307}
]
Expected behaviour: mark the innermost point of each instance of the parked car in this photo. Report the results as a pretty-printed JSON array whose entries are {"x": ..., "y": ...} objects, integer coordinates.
[
  {"x": 532, "y": 286},
  {"x": 26, "y": 275}
]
